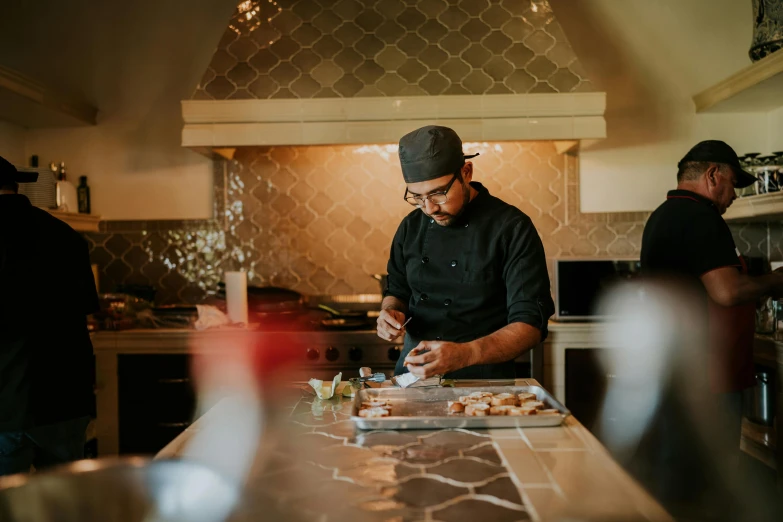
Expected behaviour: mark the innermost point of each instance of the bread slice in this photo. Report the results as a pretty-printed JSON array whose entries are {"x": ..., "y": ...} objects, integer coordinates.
[
  {"x": 480, "y": 394},
  {"x": 478, "y": 409},
  {"x": 375, "y": 404},
  {"x": 521, "y": 411},
  {"x": 500, "y": 410},
  {"x": 524, "y": 397},
  {"x": 373, "y": 413},
  {"x": 456, "y": 407},
  {"x": 504, "y": 399}
]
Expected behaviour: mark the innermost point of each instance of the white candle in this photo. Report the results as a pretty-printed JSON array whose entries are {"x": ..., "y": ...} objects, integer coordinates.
[{"x": 236, "y": 296}]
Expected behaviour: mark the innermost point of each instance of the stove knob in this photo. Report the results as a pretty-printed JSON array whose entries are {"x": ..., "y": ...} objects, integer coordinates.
[
  {"x": 332, "y": 354},
  {"x": 313, "y": 354},
  {"x": 394, "y": 353},
  {"x": 355, "y": 354}
]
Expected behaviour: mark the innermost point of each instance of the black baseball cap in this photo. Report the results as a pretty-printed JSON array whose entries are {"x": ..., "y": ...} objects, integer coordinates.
[
  {"x": 430, "y": 152},
  {"x": 716, "y": 151},
  {"x": 9, "y": 174}
]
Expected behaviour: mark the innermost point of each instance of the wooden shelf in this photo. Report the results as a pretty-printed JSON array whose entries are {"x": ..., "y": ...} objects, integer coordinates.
[
  {"x": 79, "y": 222},
  {"x": 29, "y": 103},
  {"x": 756, "y": 208},
  {"x": 756, "y": 88}
]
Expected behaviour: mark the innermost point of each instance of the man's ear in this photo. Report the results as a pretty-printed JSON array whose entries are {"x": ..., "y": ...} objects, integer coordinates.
[
  {"x": 467, "y": 172},
  {"x": 712, "y": 174}
]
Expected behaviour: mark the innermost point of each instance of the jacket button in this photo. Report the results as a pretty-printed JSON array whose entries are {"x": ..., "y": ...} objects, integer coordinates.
[
  {"x": 424, "y": 297},
  {"x": 466, "y": 225},
  {"x": 453, "y": 262},
  {"x": 432, "y": 221},
  {"x": 425, "y": 259},
  {"x": 447, "y": 302}
]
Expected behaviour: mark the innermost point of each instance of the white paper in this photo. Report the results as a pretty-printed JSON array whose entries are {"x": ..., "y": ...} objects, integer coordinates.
[
  {"x": 236, "y": 296},
  {"x": 325, "y": 391}
]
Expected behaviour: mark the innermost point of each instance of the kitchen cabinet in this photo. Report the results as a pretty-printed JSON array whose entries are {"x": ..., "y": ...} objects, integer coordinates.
[
  {"x": 156, "y": 400},
  {"x": 31, "y": 104},
  {"x": 756, "y": 88},
  {"x": 78, "y": 222},
  {"x": 763, "y": 207}
]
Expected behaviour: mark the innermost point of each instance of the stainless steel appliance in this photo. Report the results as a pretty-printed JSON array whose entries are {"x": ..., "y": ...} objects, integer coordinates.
[
  {"x": 759, "y": 401},
  {"x": 579, "y": 283}
]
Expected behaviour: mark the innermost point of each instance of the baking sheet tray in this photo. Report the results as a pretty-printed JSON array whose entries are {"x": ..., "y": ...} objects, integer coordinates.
[{"x": 427, "y": 408}]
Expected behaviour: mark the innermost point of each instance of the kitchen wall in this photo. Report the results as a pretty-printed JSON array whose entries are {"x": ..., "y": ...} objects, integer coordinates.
[
  {"x": 134, "y": 61},
  {"x": 321, "y": 219},
  {"x": 12, "y": 143},
  {"x": 651, "y": 58}
]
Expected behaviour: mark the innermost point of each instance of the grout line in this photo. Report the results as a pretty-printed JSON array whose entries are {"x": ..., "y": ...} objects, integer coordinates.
[
  {"x": 555, "y": 485},
  {"x": 513, "y": 476}
]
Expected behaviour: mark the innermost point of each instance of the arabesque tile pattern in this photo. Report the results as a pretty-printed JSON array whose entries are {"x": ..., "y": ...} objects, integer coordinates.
[
  {"x": 346, "y": 48},
  {"x": 321, "y": 219}
]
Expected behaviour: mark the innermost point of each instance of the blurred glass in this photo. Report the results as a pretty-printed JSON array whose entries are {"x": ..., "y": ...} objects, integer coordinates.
[{"x": 766, "y": 317}]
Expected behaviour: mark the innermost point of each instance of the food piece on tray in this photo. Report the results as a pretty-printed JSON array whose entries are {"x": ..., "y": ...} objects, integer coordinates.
[
  {"x": 504, "y": 399},
  {"x": 456, "y": 407},
  {"x": 478, "y": 409},
  {"x": 521, "y": 411},
  {"x": 374, "y": 413},
  {"x": 375, "y": 403},
  {"x": 524, "y": 397},
  {"x": 480, "y": 394},
  {"x": 467, "y": 399},
  {"x": 532, "y": 404},
  {"x": 549, "y": 412},
  {"x": 500, "y": 410}
]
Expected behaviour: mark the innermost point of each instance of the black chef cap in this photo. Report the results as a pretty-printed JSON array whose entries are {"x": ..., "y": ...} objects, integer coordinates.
[
  {"x": 9, "y": 174},
  {"x": 715, "y": 151},
  {"x": 430, "y": 152}
]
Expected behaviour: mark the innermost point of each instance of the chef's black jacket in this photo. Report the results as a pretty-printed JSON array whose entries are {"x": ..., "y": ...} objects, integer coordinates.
[
  {"x": 47, "y": 291},
  {"x": 469, "y": 279}
]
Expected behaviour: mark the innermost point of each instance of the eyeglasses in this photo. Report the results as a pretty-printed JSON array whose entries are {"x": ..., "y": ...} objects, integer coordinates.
[{"x": 436, "y": 198}]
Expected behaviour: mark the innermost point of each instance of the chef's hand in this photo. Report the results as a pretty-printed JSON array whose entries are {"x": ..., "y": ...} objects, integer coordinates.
[
  {"x": 390, "y": 324},
  {"x": 439, "y": 358}
]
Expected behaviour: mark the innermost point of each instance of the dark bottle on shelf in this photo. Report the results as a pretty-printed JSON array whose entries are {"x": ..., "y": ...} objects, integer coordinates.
[{"x": 84, "y": 195}]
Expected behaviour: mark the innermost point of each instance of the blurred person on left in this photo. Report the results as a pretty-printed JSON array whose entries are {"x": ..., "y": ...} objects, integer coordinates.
[
  {"x": 46, "y": 363},
  {"x": 468, "y": 269}
]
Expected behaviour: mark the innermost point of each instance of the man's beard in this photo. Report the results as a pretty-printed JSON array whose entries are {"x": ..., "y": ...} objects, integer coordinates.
[{"x": 452, "y": 218}]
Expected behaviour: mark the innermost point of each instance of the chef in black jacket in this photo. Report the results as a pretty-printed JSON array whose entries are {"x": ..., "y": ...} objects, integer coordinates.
[
  {"x": 46, "y": 365},
  {"x": 466, "y": 267}
]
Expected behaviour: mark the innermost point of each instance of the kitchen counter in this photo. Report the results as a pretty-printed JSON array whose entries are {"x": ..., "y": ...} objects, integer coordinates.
[{"x": 450, "y": 474}]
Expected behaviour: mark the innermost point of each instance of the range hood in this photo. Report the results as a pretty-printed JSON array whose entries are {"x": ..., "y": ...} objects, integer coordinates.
[{"x": 309, "y": 75}]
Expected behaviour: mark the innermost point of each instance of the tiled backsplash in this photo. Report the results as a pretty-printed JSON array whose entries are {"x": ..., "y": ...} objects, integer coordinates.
[
  {"x": 345, "y": 48},
  {"x": 321, "y": 219}
]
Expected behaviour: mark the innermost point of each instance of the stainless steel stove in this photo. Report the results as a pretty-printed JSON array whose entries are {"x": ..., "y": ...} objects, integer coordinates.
[{"x": 323, "y": 354}]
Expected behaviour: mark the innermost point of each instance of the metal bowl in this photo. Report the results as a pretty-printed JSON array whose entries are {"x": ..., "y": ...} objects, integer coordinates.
[{"x": 120, "y": 490}]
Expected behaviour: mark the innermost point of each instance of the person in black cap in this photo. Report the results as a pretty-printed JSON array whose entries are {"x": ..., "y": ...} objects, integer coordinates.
[
  {"x": 468, "y": 269},
  {"x": 687, "y": 243},
  {"x": 46, "y": 365}
]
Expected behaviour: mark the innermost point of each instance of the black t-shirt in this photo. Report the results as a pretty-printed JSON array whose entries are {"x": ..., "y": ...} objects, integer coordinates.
[
  {"x": 470, "y": 279},
  {"x": 686, "y": 237},
  {"x": 46, "y": 362}
]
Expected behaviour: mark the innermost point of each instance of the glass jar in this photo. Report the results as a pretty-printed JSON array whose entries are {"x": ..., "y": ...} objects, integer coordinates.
[
  {"x": 766, "y": 316},
  {"x": 779, "y": 320}
]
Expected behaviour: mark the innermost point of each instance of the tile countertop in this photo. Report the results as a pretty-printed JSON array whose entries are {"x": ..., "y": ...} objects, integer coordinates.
[{"x": 442, "y": 475}]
